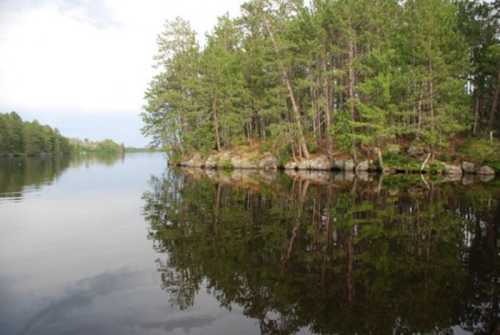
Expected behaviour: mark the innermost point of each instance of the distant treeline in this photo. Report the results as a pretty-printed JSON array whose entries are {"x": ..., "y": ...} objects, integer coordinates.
[
  {"x": 99, "y": 147},
  {"x": 24, "y": 138},
  {"x": 18, "y": 137},
  {"x": 146, "y": 149}
]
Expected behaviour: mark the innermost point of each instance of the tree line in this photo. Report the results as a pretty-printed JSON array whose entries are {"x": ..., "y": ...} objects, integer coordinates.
[
  {"x": 18, "y": 137},
  {"x": 329, "y": 76}
]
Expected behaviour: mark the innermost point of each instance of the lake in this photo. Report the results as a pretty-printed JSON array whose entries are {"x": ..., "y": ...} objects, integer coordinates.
[{"x": 127, "y": 245}]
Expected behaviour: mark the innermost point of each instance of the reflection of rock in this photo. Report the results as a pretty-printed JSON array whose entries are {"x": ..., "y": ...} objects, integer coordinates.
[
  {"x": 486, "y": 178},
  {"x": 468, "y": 180},
  {"x": 349, "y": 176},
  {"x": 452, "y": 178},
  {"x": 363, "y": 176},
  {"x": 315, "y": 177},
  {"x": 486, "y": 171},
  {"x": 244, "y": 178}
]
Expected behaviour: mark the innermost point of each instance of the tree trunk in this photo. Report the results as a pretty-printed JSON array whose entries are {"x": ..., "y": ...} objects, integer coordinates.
[
  {"x": 431, "y": 106},
  {"x": 216, "y": 124},
  {"x": 476, "y": 115},
  {"x": 494, "y": 105},
  {"x": 431, "y": 97},
  {"x": 350, "y": 82},
  {"x": 326, "y": 88},
  {"x": 350, "y": 85},
  {"x": 288, "y": 83}
]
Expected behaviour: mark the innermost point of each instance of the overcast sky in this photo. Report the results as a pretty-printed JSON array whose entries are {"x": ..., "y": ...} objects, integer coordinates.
[{"x": 83, "y": 65}]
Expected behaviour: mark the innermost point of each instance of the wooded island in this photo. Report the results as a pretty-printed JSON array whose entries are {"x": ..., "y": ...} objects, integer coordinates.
[{"x": 348, "y": 84}]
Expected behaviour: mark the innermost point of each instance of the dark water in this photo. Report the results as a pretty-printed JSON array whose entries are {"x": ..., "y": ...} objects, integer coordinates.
[{"x": 127, "y": 246}]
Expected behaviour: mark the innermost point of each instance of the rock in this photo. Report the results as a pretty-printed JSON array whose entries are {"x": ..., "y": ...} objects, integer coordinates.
[
  {"x": 364, "y": 166},
  {"x": 212, "y": 162},
  {"x": 486, "y": 171},
  {"x": 320, "y": 163},
  {"x": 303, "y": 165},
  {"x": 242, "y": 163},
  {"x": 452, "y": 170},
  {"x": 268, "y": 162},
  {"x": 468, "y": 167},
  {"x": 349, "y": 165},
  {"x": 415, "y": 151},
  {"x": 196, "y": 161}
]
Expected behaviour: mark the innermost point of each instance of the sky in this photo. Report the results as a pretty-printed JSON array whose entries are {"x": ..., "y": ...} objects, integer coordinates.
[{"x": 82, "y": 66}]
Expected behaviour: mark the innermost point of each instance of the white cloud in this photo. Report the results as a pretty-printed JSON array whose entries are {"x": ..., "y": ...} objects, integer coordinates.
[{"x": 87, "y": 56}]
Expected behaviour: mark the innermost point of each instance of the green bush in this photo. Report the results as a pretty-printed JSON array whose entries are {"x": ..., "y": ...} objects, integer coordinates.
[
  {"x": 401, "y": 162},
  {"x": 480, "y": 151}
]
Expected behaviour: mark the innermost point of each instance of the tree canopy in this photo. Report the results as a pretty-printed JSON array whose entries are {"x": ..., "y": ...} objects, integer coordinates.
[
  {"x": 330, "y": 75},
  {"x": 30, "y": 138}
]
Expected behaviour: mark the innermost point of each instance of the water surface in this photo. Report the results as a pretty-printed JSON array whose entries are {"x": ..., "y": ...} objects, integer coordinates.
[{"x": 126, "y": 245}]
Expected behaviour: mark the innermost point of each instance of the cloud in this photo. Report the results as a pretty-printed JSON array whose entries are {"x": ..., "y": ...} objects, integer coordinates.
[{"x": 87, "y": 55}]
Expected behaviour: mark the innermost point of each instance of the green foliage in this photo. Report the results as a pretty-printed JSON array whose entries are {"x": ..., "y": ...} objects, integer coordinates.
[
  {"x": 401, "y": 162},
  {"x": 105, "y": 147},
  {"x": 18, "y": 137},
  {"x": 327, "y": 74},
  {"x": 226, "y": 165},
  {"x": 480, "y": 150},
  {"x": 342, "y": 132}
]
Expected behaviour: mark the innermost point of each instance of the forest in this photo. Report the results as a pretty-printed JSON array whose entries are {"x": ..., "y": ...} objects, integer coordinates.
[
  {"x": 330, "y": 77},
  {"x": 23, "y": 138},
  {"x": 18, "y": 137}
]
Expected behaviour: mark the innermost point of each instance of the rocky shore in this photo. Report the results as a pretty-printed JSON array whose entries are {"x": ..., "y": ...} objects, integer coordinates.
[{"x": 267, "y": 161}]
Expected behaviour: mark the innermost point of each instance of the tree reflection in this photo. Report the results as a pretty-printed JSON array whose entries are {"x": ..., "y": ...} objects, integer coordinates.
[
  {"x": 330, "y": 254},
  {"x": 17, "y": 174}
]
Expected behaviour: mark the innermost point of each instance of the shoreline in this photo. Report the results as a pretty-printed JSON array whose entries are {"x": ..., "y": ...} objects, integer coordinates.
[{"x": 227, "y": 160}]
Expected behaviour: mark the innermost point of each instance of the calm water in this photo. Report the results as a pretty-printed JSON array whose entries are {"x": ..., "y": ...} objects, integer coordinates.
[{"x": 127, "y": 246}]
